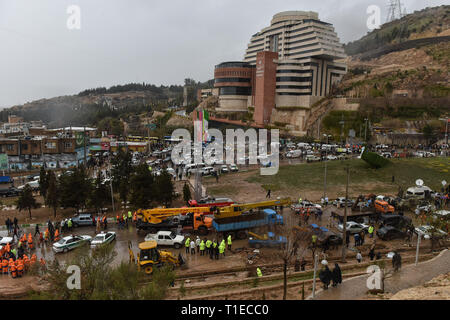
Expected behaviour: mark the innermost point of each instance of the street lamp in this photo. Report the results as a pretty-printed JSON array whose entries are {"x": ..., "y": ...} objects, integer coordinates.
[
  {"x": 314, "y": 277},
  {"x": 325, "y": 175},
  {"x": 365, "y": 130}
]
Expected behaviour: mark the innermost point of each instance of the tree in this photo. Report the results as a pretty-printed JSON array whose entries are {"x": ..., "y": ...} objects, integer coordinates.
[
  {"x": 121, "y": 171},
  {"x": 165, "y": 190},
  {"x": 100, "y": 195},
  {"x": 186, "y": 193},
  {"x": 100, "y": 280},
  {"x": 52, "y": 196},
  {"x": 297, "y": 241},
  {"x": 142, "y": 187},
  {"x": 26, "y": 200},
  {"x": 75, "y": 189},
  {"x": 428, "y": 133},
  {"x": 43, "y": 181}
]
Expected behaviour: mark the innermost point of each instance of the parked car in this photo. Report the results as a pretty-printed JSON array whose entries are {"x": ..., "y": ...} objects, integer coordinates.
[
  {"x": 234, "y": 168},
  {"x": 331, "y": 238},
  {"x": 70, "y": 243},
  {"x": 82, "y": 219},
  {"x": 427, "y": 230},
  {"x": 312, "y": 158},
  {"x": 390, "y": 233},
  {"x": 331, "y": 157},
  {"x": 353, "y": 227},
  {"x": 10, "y": 192},
  {"x": 103, "y": 238},
  {"x": 340, "y": 202},
  {"x": 224, "y": 168},
  {"x": 166, "y": 238},
  {"x": 5, "y": 240}
]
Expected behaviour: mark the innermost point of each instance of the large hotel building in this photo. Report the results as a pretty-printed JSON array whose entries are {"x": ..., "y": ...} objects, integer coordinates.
[{"x": 294, "y": 62}]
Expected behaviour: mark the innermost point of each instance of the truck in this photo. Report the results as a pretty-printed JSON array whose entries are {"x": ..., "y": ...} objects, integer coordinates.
[
  {"x": 238, "y": 226},
  {"x": 383, "y": 207},
  {"x": 237, "y": 209},
  {"x": 192, "y": 221},
  {"x": 268, "y": 240}
]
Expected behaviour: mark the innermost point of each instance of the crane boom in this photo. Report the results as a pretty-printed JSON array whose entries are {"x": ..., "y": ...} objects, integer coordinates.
[
  {"x": 237, "y": 209},
  {"x": 157, "y": 215}
]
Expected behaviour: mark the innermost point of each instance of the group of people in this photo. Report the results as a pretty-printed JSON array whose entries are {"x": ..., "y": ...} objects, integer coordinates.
[
  {"x": 13, "y": 227},
  {"x": 207, "y": 247},
  {"x": 122, "y": 219},
  {"x": 327, "y": 276}
]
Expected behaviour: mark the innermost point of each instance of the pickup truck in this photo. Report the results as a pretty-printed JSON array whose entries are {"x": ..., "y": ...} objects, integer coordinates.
[
  {"x": 270, "y": 240},
  {"x": 239, "y": 225},
  {"x": 166, "y": 238}
]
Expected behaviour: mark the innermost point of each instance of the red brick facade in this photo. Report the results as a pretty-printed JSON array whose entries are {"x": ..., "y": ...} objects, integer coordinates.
[{"x": 265, "y": 85}]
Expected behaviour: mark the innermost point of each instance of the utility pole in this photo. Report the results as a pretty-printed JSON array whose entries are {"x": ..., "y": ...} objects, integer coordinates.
[
  {"x": 314, "y": 277},
  {"x": 342, "y": 122},
  {"x": 365, "y": 130},
  {"x": 325, "y": 175},
  {"x": 110, "y": 183},
  {"x": 417, "y": 248},
  {"x": 344, "y": 234}
]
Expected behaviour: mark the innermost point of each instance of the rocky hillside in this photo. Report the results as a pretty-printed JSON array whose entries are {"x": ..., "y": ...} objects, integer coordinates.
[{"x": 427, "y": 23}]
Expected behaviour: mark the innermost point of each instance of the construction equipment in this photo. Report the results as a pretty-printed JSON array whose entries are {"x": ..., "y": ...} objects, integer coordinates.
[
  {"x": 238, "y": 209},
  {"x": 149, "y": 257},
  {"x": 170, "y": 218}
]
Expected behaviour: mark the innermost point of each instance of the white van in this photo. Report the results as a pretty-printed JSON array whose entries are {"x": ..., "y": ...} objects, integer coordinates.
[{"x": 294, "y": 154}]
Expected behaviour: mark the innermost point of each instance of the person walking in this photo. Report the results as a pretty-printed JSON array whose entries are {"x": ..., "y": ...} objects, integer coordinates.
[
  {"x": 356, "y": 236},
  {"x": 259, "y": 272},
  {"x": 362, "y": 235},
  {"x": 16, "y": 223},
  {"x": 186, "y": 244},
  {"x": 130, "y": 217},
  {"x": 396, "y": 261},
  {"x": 359, "y": 257},
  {"x": 325, "y": 277},
  {"x": 372, "y": 254},
  {"x": 336, "y": 275},
  {"x": 268, "y": 194},
  {"x": 229, "y": 241}
]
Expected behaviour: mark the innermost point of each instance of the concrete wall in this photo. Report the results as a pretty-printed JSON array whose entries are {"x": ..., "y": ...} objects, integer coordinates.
[
  {"x": 342, "y": 104},
  {"x": 233, "y": 103}
]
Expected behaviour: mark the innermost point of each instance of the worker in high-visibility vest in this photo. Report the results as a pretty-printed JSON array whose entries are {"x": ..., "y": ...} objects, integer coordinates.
[
  {"x": 258, "y": 272},
  {"x": 229, "y": 241},
  {"x": 371, "y": 231},
  {"x": 130, "y": 215},
  {"x": 30, "y": 242},
  {"x": 186, "y": 244},
  {"x": 208, "y": 244},
  {"x": 202, "y": 248},
  {"x": 222, "y": 249}
]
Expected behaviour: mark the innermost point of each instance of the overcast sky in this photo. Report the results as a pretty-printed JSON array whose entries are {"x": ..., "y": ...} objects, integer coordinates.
[{"x": 152, "y": 41}]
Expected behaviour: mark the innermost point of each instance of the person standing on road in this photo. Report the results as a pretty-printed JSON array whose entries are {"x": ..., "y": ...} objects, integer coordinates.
[
  {"x": 336, "y": 275},
  {"x": 372, "y": 254},
  {"x": 202, "y": 248},
  {"x": 186, "y": 244},
  {"x": 268, "y": 194},
  {"x": 356, "y": 236},
  {"x": 361, "y": 238},
  {"x": 130, "y": 217},
  {"x": 396, "y": 261},
  {"x": 229, "y": 241},
  {"x": 371, "y": 230},
  {"x": 208, "y": 246},
  {"x": 192, "y": 247},
  {"x": 197, "y": 243},
  {"x": 36, "y": 230},
  {"x": 16, "y": 223}
]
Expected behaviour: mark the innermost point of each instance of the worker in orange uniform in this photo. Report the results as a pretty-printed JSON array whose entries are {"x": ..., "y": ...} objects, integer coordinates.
[
  {"x": 56, "y": 235},
  {"x": 33, "y": 259},
  {"x": 8, "y": 247},
  {"x": 46, "y": 235},
  {"x": 41, "y": 239},
  {"x": 20, "y": 268},
  {"x": 134, "y": 217},
  {"x": 5, "y": 266},
  {"x": 30, "y": 242},
  {"x": 13, "y": 271}
]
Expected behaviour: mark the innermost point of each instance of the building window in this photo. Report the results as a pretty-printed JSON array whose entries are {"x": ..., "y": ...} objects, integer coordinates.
[
  {"x": 219, "y": 80},
  {"x": 67, "y": 145},
  {"x": 25, "y": 147},
  {"x": 293, "y": 79},
  {"x": 236, "y": 91},
  {"x": 10, "y": 147},
  {"x": 50, "y": 145}
]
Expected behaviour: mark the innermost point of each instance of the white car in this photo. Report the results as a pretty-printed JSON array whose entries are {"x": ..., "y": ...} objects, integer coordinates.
[
  {"x": 331, "y": 157},
  {"x": 103, "y": 238},
  {"x": 426, "y": 231},
  {"x": 70, "y": 243},
  {"x": 353, "y": 227},
  {"x": 5, "y": 240},
  {"x": 224, "y": 168},
  {"x": 166, "y": 238},
  {"x": 234, "y": 168}
]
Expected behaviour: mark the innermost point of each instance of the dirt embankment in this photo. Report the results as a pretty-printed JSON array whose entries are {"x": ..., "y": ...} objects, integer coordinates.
[{"x": 436, "y": 289}]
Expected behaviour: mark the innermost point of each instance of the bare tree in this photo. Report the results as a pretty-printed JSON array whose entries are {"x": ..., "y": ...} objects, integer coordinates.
[{"x": 297, "y": 242}]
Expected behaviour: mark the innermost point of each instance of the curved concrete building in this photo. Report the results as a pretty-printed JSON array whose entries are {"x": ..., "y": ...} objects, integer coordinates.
[{"x": 234, "y": 80}]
